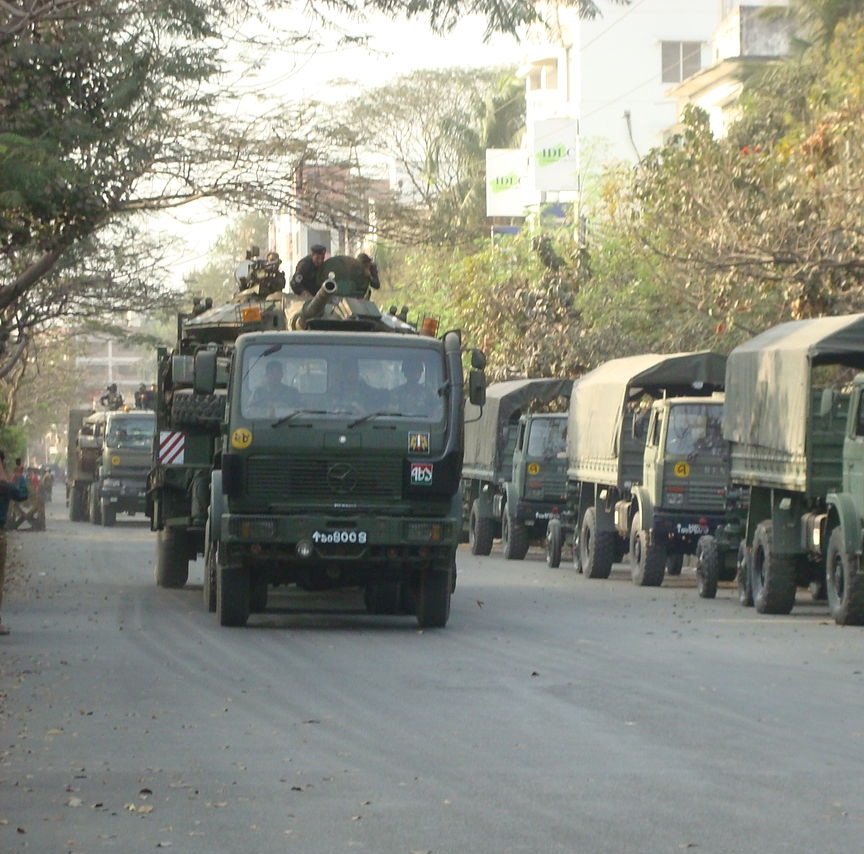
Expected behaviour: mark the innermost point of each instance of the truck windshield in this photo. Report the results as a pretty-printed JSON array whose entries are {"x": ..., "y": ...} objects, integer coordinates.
[
  {"x": 277, "y": 381},
  {"x": 547, "y": 438},
  {"x": 131, "y": 433},
  {"x": 696, "y": 428}
]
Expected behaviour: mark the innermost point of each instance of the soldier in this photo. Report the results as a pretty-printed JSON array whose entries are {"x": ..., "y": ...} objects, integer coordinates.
[
  {"x": 370, "y": 270},
  {"x": 305, "y": 279},
  {"x": 112, "y": 399},
  {"x": 12, "y": 488}
]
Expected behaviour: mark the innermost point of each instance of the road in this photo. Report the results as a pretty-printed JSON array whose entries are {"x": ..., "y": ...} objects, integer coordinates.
[{"x": 553, "y": 714}]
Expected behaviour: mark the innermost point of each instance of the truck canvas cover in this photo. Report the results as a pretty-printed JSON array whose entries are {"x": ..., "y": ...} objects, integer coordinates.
[
  {"x": 600, "y": 398},
  {"x": 485, "y": 437},
  {"x": 768, "y": 379}
]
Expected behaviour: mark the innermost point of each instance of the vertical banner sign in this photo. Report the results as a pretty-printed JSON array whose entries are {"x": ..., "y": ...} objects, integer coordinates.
[
  {"x": 506, "y": 177},
  {"x": 556, "y": 155}
]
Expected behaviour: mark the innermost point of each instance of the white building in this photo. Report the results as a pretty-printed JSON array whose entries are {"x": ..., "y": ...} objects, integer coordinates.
[{"x": 612, "y": 88}]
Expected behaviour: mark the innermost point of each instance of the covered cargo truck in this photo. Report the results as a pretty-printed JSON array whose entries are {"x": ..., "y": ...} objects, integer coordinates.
[
  {"x": 647, "y": 468},
  {"x": 515, "y": 467},
  {"x": 795, "y": 420}
]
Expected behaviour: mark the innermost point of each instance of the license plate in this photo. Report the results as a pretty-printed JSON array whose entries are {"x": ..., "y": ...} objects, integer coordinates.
[
  {"x": 328, "y": 538},
  {"x": 694, "y": 528}
]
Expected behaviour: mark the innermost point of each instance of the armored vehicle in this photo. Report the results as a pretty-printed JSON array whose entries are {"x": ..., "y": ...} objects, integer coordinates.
[
  {"x": 647, "y": 469},
  {"x": 515, "y": 468},
  {"x": 795, "y": 420},
  {"x": 326, "y": 454}
]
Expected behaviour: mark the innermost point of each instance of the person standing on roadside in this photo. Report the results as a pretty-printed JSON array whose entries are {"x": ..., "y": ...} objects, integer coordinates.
[{"x": 12, "y": 488}]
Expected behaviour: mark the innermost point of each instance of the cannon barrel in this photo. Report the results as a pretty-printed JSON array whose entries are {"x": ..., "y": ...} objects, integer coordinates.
[{"x": 315, "y": 306}]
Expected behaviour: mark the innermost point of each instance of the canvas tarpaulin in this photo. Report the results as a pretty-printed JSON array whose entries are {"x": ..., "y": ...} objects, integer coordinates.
[
  {"x": 600, "y": 397},
  {"x": 504, "y": 402},
  {"x": 768, "y": 379}
]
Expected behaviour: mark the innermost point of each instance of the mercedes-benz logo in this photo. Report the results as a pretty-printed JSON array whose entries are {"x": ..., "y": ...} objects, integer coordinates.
[{"x": 342, "y": 478}]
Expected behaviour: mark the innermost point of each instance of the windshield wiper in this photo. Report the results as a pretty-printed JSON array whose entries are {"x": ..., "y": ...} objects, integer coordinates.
[
  {"x": 280, "y": 421},
  {"x": 369, "y": 416}
]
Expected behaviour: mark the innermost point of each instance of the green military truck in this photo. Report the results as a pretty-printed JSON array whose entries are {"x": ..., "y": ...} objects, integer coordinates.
[
  {"x": 109, "y": 456},
  {"x": 647, "y": 468},
  {"x": 515, "y": 468},
  {"x": 795, "y": 419},
  {"x": 332, "y": 458}
]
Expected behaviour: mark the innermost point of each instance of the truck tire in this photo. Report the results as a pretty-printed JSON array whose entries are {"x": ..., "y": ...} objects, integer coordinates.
[
  {"x": 772, "y": 580},
  {"x": 258, "y": 597},
  {"x": 596, "y": 548},
  {"x": 209, "y": 586},
  {"x": 383, "y": 598},
  {"x": 94, "y": 506},
  {"x": 514, "y": 537},
  {"x": 480, "y": 531},
  {"x": 232, "y": 595},
  {"x": 172, "y": 558},
  {"x": 674, "y": 564},
  {"x": 844, "y": 583},
  {"x": 108, "y": 514},
  {"x": 742, "y": 575},
  {"x": 433, "y": 599},
  {"x": 707, "y": 567},
  {"x": 647, "y": 558},
  {"x": 554, "y": 537},
  {"x": 196, "y": 410},
  {"x": 77, "y": 504}
]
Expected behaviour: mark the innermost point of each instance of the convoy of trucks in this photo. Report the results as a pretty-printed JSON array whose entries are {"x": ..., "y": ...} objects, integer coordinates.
[
  {"x": 514, "y": 472},
  {"x": 324, "y": 449},
  {"x": 109, "y": 456},
  {"x": 326, "y": 444}
]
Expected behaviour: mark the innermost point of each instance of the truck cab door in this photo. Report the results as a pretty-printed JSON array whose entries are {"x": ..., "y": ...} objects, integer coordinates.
[
  {"x": 519, "y": 455},
  {"x": 652, "y": 463},
  {"x": 853, "y": 445}
]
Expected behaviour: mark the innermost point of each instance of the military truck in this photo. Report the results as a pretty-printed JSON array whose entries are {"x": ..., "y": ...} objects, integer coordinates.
[
  {"x": 647, "y": 469},
  {"x": 109, "y": 456},
  {"x": 324, "y": 468},
  {"x": 795, "y": 419},
  {"x": 515, "y": 467}
]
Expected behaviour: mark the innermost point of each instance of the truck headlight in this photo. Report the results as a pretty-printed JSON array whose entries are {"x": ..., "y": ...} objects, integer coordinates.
[{"x": 253, "y": 529}]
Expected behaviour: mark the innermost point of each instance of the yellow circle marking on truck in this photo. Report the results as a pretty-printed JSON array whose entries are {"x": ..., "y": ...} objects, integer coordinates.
[
  {"x": 682, "y": 469},
  {"x": 533, "y": 468},
  {"x": 241, "y": 438},
  {"x": 115, "y": 460}
]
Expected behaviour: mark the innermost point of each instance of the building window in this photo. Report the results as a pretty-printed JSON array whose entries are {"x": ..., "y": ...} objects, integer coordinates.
[{"x": 680, "y": 60}]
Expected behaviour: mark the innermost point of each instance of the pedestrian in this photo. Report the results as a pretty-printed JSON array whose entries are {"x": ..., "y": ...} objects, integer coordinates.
[
  {"x": 12, "y": 488},
  {"x": 305, "y": 279}
]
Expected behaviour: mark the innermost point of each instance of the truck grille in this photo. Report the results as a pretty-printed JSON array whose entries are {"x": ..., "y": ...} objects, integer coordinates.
[{"x": 277, "y": 479}]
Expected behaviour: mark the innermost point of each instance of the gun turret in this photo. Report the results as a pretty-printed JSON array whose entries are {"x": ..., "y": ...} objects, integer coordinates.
[{"x": 315, "y": 307}]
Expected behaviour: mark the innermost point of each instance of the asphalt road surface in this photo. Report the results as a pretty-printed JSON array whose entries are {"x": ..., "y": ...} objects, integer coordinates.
[{"x": 553, "y": 714}]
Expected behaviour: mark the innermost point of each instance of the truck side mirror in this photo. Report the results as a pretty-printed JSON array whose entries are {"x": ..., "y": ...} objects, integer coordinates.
[
  {"x": 88, "y": 441},
  {"x": 478, "y": 359},
  {"x": 477, "y": 387},
  {"x": 826, "y": 402},
  {"x": 205, "y": 372}
]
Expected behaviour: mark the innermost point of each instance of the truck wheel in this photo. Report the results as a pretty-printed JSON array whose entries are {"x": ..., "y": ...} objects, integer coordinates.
[
  {"x": 845, "y": 583},
  {"x": 94, "y": 506},
  {"x": 258, "y": 597},
  {"x": 771, "y": 580},
  {"x": 554, "y": 536},
  {"x": 433, "y": 599},
  {"x": 209, "y": 586},
  {"x": 742, "y": 575},
  {"x": 172, "y": 558},
  {"x": 383, "y": 598},
  {"x": 707, "y": 567},
  {"x": 108, "y": 514},
  {"x": 232, "y": 595},
  {"x": 674, "y": 564},
  {"x": 480, "y": 531},
  {"x": 596, "y": 548},
  {"x": 647, "y": 560},
  {"x": 77, "y": 505},
  {"x": 514, "y": 538}
]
